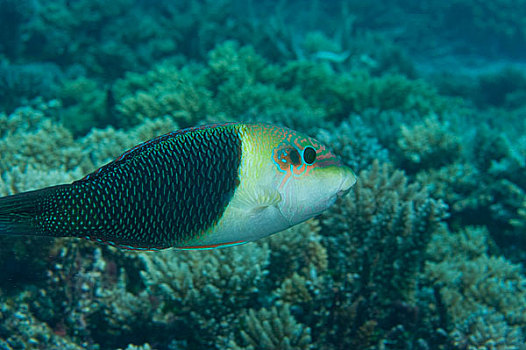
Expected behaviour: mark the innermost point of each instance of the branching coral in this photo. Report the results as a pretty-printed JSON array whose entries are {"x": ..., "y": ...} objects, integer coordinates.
[
  {"x": 235, "y": 83},
  {"x": 85, "y": 105},
  {"x": 39, "y": 152},
  {"x": 458, "y": 185},
  {"x": 353, "y": 93},
  {"x": 145, "y": 346},
  {"x": 297, "y": 250},
  {"x": 376, "y": 238},
  {"x": 484, "y": 186},
  {"x": 381, "y": 229},
  {"x": 164, "y": 91},
  {"x": 273, "y": 328},
  {"x": 429, "y": 144},
  {"x": 486, "y": 330},
  {"x": 21, "y": 330},
  {"x": 244, "y": 82},
  {"x": 355, "y": 277},
  {"x": 202, "y": 291},
  {"x": 34, "y": 150},
  {"x": 354, "y": 142},
  {"x": 102, "y": 146},
  {"x": 484, "y": 295},
  {"x": 29, "y": 136}
]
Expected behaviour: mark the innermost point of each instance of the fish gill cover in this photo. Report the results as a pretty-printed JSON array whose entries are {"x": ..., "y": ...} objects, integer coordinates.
[{"x": 424, "y": 100}]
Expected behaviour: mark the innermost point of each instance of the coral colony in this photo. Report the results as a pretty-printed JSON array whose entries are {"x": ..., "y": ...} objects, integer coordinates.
[{"x": 426, "y": 250}]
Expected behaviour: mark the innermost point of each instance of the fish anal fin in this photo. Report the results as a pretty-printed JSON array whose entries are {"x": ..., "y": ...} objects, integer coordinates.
[{"x": 211, "y": 246}]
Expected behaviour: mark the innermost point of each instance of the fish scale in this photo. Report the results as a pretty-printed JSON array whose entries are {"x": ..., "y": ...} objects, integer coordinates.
[
  {"x": 173, "y": 166},
  {"x": 198, "y": 188}
]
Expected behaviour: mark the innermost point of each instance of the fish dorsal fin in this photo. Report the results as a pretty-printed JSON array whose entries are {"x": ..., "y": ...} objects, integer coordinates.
[{"x": 256, "y": 199}]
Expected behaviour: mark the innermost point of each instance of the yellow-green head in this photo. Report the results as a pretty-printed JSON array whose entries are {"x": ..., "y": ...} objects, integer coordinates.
[{"x": 286, "y": 177}]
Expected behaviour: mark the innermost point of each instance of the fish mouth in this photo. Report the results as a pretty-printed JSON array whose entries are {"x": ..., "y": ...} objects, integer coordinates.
[
  {"x": 348, "y": 181},
  {"x": 342, "y": 193}
]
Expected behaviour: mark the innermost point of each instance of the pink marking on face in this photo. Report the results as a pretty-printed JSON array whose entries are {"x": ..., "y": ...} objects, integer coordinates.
[{"x": 288, "y": 157}]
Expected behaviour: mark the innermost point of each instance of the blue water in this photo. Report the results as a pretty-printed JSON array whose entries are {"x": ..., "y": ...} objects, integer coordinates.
[{"x": 424, "y": 100}]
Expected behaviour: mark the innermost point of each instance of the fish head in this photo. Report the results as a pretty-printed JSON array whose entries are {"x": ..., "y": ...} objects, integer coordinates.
[
  {"x": 305, "y": 175},
  {"x": 308, "y": 176}
]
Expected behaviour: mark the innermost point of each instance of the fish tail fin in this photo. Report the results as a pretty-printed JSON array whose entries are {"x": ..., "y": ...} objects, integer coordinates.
[{"x": 21, "y": 214}]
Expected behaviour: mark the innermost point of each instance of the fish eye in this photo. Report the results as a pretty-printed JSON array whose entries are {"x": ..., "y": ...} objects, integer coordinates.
[
  {"x": 294, "y": 156},
  {"x": 309, "y": 155}
]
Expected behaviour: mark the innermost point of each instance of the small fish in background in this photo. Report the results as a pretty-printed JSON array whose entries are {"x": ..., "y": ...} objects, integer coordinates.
[{"x": 197, "y": 188}]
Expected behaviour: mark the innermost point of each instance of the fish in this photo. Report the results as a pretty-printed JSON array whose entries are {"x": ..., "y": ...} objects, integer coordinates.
[{"x": 198, "y": 188}]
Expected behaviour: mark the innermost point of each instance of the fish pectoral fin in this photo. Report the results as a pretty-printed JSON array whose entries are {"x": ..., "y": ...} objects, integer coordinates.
[{"x": 257, "y": 199}]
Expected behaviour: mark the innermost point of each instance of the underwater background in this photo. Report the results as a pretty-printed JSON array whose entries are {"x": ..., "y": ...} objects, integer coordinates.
[{"x": 425, "y": 100}]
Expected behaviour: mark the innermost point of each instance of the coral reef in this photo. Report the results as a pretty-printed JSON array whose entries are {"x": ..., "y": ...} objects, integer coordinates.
[
  {"x": 484, "y": 295},
  {"x": 483, "y": 184},
  {"x": 355, "y": 142},
  {"x": 386, "y": 214},
  {"x": 426, "y": 252},
  {"x": 19, "y": 84},
  {"x": 22, "y": 330},
  {"x": 200, "y": 292},
  {"x": 428, "y": 144},
  {"x": 271, "y": 329},
  {"x": 376, "y": 238}
]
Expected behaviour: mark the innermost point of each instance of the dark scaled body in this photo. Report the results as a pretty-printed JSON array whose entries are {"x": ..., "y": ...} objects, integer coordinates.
[{"x": 162, "y": 193}]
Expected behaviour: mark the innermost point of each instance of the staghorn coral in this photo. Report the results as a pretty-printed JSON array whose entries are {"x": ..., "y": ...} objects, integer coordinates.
[
  {"x": 458, "y": 185},
  {"x": 376, "y": 239},
  {"x": 85, "y": 105},
  {"x": 504, "y": 163},
  {"x": 22, "y": 330},
  {"x": 163, "y": 91},
  {"x": 243, "y": 81},
  {"x": 297, "y": 250},
  {"x": 19, "y": 178},
  {"x": 102, "y": 146},
  {"x": 484, "y": 186},
  {"x": 383, "y": 226},
  {"x": 344, "y": 94},
  {"x": 28, "y": 137},
  {"x": 429, "y": 144},
  {"x": 199, "y": 293},
  {"x": 235, "y": 82},
  {"x": 39, "y": 152},
  {"x": 273, "y": 328},
  {"x": 483, "y": 294},
  {"x": 354, "y": 142},
  {"x": 307, "y": 120},
  {"x": 486, "y": 330}
]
